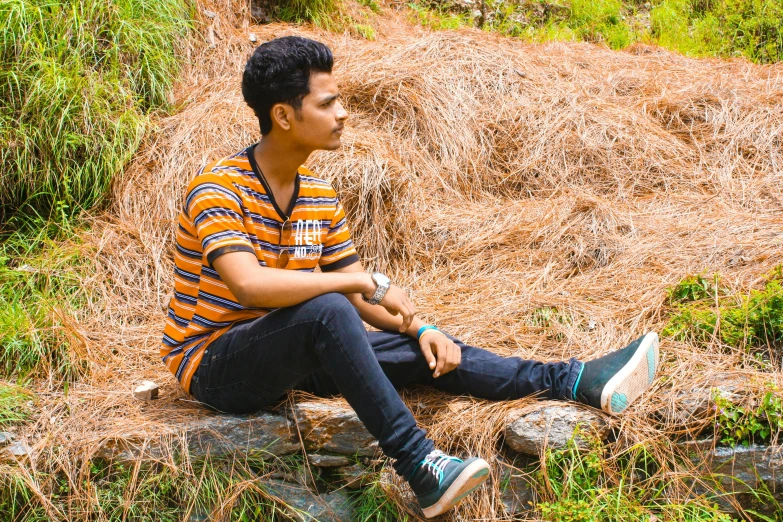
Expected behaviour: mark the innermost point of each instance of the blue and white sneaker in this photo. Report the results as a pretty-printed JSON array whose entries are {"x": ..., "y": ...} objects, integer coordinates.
[
  {"x": 612, "y": 382},
  {"x": 440, "y": 481}
]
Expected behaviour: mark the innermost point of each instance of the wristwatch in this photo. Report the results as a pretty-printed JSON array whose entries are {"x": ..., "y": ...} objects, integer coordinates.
[{"x": 382, "y": 285}]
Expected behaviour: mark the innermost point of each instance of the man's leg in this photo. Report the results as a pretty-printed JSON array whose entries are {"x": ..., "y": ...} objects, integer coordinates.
[
  {"x": 481, "y": 373},
  {"x": 253, "y": 364},
  {"x": 610, "y": 383}
]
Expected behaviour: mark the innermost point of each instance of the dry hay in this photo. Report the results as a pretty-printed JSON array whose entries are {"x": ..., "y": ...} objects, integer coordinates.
[{"x": 492, "y": 179}]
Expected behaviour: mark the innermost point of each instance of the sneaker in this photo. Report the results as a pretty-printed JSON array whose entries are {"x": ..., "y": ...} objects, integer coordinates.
[
  {"x": 612, "y": 382},
  {"x": 441, "y": 481}
]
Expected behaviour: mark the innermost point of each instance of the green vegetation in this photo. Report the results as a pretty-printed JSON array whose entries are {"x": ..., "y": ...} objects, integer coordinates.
[
  {"x": 320, "y": 12},
  {"x": 750, "y": 28},
  {"x": 78, "y": 79},
  {"x": 144, "y": 491},
  {"x": 439, "y": 19},
  {"x": 13, "y": 404},
  {"x": 583, "y": 485},
  {"x": 373, "y": 504},
  {"x": 705, "y": 311},
  {"x": 332, "y": 15},
  {"x": 38, "y": 292},
  {"x": 244, "y": 488},
  {"x": 754, "y": 423}
]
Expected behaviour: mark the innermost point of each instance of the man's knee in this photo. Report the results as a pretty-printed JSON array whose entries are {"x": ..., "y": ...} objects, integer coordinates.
[
  {"x": 335, "y": 307},
  {"x": 330, "y": 300}
]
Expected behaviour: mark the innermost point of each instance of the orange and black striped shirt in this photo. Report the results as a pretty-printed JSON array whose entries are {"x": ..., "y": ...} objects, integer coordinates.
[{"x": 229, "y": 207}]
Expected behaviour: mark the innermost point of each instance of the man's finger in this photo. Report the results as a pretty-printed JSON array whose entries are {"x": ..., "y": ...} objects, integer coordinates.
[
  {"x": 410, "y": 305},
  {"x": 451, "y": 358},
  {"x": 442, "y": 356},
  {"x": 427, "y": 351}
]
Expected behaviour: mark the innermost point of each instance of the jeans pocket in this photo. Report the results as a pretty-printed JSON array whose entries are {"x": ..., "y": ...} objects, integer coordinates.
[{"x": 237, "y": 397}]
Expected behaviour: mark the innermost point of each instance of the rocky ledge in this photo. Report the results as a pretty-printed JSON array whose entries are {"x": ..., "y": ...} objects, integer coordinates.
[{"x": 336, "y": 442}]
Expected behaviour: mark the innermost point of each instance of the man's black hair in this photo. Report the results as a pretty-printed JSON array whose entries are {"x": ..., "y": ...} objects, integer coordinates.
[{"x": 279, "y": 72}]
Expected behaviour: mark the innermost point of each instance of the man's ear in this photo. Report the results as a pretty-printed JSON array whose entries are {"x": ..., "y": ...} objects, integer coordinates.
[{"x": 282, "y": 114}]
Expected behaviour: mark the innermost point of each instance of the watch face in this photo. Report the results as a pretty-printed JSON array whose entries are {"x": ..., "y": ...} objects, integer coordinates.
[{"x": 381, "y": 279}]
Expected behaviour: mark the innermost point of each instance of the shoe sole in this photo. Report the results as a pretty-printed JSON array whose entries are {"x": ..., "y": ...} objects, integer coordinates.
[
  {"x": 634, "y": 378},
  {"x": 467, "y": 481}
]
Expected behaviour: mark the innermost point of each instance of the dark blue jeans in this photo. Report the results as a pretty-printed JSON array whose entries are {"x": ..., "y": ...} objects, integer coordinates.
[{"x": 321, "y": 346}]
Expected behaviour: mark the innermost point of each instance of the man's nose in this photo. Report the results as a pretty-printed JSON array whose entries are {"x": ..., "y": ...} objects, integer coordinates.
[{"x": 342, "y": 114}]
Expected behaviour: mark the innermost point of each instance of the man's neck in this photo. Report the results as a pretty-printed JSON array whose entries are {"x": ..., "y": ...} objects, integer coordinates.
[{"x": 279, "y": 161}]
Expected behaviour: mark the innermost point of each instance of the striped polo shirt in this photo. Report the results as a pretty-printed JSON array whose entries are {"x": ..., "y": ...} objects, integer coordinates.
[{"x": 229, "y": 207}]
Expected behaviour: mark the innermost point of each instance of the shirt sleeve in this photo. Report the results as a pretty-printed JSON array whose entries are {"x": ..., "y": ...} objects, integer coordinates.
[
  {"x": 338, "y": 249},
  {"x": 216, "y": 212}
]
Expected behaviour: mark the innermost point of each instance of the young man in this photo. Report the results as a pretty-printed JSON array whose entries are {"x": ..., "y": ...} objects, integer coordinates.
[{"x": 250, "y": 319}]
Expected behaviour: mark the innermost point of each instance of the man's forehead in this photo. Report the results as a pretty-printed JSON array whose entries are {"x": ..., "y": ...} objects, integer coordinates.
[{"x": 323, "y": 84}]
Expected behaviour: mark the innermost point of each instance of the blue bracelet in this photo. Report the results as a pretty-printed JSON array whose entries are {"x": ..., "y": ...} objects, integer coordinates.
[{"x": 425, "y": 328}]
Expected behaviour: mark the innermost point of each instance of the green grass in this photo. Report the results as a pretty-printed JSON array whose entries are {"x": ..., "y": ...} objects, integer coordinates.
[
  {"x": 152, "y": 492},
  {"x": 372, "y": 504},
  {"x": 703, "y": 310},
  {"x": 157, "y": 492},
  {"x": 331, "y": 15},
  {"x": 14, "y": 407},
  {"x": 754, "y": 423},
  {"x": 724, "y": 28},
  {"x": 78, "y": 79},
  {"x": 584, "y": 485},
  {"x": 750, "y": 28},
  {"x": 41, "y": 285},
  {"x": 438, "y": 19},
  {"x": 323, "y": 13}
]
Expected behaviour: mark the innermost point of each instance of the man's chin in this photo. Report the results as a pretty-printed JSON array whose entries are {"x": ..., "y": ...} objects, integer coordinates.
[{"x": 332, "y": 145}]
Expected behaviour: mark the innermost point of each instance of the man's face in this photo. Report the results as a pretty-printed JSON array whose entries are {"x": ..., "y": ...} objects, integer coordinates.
[{"x": 320, "y": 121}]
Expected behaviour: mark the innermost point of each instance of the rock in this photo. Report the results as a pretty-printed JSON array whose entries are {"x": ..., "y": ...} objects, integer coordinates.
[
  {"x": 6, "y": 438},
  {"x": 252, "y": 37},
  {"x": 331, "y": 507},
  {"x": 19, "y": 449},
  {"x": 355, "y": 476},
  {"x": 738, "y": 471},
  {"x": 210, "y": 14},
  {"x": 516, "y": 494},
  {"x": 199, "y": 516},
  {"x": 147, "y": 391},
  {"x": 552, "y": 425},
  {"x": 691, "y": 405},
  {"x": 326, "y": 428},
  {"x": 327, "y": 461},
  {"x": 264, "y": 434},
  {"x": 259, "y": 15},
  {"x": 333, "y": 428}
]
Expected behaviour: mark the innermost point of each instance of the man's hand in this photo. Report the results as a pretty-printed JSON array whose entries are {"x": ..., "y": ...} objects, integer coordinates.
[
  {"x": 435, "y": 344},
  {"x": 396, "y": 302}
]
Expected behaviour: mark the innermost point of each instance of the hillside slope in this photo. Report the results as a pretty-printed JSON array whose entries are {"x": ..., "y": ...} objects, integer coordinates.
[{"x": 537, "y": 200}]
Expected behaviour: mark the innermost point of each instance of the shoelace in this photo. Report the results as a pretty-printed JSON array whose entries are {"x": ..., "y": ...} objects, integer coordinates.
[{"x": 435, "y": 462}]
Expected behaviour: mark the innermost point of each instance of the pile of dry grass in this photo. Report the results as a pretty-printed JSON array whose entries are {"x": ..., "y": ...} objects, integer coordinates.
[{"x": 491, "y": 178}]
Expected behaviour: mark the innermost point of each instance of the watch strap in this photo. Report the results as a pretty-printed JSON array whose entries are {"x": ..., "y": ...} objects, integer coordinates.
[{"x": 380, "y": 292}]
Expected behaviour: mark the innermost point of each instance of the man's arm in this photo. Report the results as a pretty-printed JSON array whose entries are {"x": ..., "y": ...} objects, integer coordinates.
[
  {"x": 379, "y": 316},
  {"x": 263, "y": 287},
  {"x": 441, "y": 353}
]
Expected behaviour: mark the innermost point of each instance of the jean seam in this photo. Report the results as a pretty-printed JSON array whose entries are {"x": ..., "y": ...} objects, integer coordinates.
[
  {"x": 265, "y": 334},
  {"x": 575, "y": 371}
]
